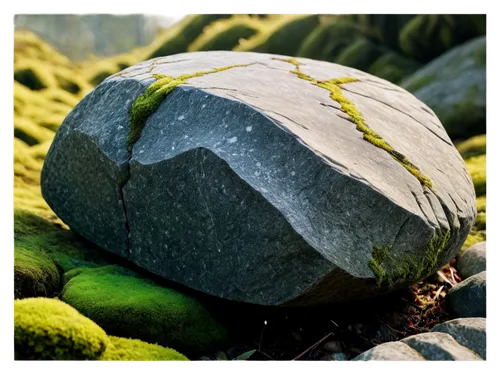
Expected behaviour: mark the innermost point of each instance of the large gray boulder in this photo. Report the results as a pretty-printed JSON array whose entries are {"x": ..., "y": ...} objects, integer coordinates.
[
  {"x": 439, "y": 346},
  {"x": 390, "y": 351},
  {"x": 454, "y": 86},
  {"x": 469, "y": 332},
  {"x": 259, "y": 182}
]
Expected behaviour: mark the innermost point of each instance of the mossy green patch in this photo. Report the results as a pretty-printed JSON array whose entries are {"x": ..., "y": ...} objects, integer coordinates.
[
  {"x": 50, "y": 329},
  {"x": 473, "y": 146},
  {"x": 127, "y": 305},
  {"x": 333, "y": 86},
  {"x": 474, "y": 237},
  {"x": 35, "y": 274},
  {"x": 30, "y": 132},
  {"x": 406, "y": 268},
  {"x": 477, "y": 169},
  {"x": 147, "y": 103},
  {"x": 481, "y": 203},
  {"x": 122, "y": 349}
]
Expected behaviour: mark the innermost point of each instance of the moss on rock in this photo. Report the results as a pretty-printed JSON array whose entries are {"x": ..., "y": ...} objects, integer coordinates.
[
  {"x": 127, "y": 305},
  {"x": 346, "y": 106},
  {"x": 50, "y": 329},
  {"x": 407, "y": 268},
  {"x": 147, "y": 103},
  {"x": 122, "y": 349}
]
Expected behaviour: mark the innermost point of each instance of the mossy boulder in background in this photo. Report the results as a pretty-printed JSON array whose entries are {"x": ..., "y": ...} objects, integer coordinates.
[
  {"x": 225, "y": 34},
  {"x": 427, "y": 36},
  {"x": 327, "y": 41},
  {"x": 50, "y": 329},
  {"x": 477, "y": 169},
  {"x": 473, "y": 146},
  {"x": 126, "y": 304},
  {"x": 454, "y": 87},
  {"x": 281, "y": 36},
  {"x": 393, "y": 67},
  {"x": 178, "y": 37},
  {"x": 360, "y": 54}
]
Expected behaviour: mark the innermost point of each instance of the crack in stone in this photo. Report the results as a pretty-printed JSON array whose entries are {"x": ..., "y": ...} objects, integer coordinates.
[{"x": 400, "y": 111}]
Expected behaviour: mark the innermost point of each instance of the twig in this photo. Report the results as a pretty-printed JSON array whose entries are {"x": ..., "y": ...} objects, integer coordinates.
[
  {"x": 267, "y": 355},
  {"x": 444, "y": 278},
  {"x": 312, "y": 346},
  {"x": 453, "y": 276},
  {"x": 437, "y": 293}
]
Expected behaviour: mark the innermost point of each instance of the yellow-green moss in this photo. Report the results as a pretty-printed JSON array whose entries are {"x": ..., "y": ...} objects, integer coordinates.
[
  {"x": 127, "y": 305},
  {"x": 50, "y": 329},
  {"x": 122, "y": 349},
  {"x": 333, "y": 86},
  {"x": 481, "y": 203},
  {"x": 473, "y": 146},
  {"x": 474, "y": 237},
  {"x": 30, "y": 132},
  {"x": 406, "y": 268},
  {"x": 147, "y": 103},
  {"x": 477, "y": 169}
]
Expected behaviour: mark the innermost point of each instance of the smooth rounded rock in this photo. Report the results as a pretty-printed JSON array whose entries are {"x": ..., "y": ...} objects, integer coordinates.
[
  {"x": 261, "y": 178},
  {"x": 467, "y": 299},
  {"x": 473, "y": 260},
  {"x": 469, "y": 332},
  {"x": 390, "y": 351}
]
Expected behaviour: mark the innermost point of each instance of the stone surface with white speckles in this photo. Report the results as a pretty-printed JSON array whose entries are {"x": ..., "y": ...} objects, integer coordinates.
[{"x": 253, "y": 184}]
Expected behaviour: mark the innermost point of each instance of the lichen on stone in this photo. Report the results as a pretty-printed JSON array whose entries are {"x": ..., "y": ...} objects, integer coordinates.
[
  {"x": 406, "y": 267},
  {"x": 147, "y": 103},
  {"x": 333, "y": 86}
]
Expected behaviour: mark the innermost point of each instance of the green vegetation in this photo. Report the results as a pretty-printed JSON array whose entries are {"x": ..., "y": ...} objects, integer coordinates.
[
  {"x": 47, "y": 328},
  {"x": 477, "y": 169},
  {"x": 473, "y": 146},
  {"x": 127, "y": 305},
  {"x": 333, "y": 85},
  {"x": 393, "y": 67},
  {"x": 225, "y": 34},
  {"x": 360, "y": 54},
  {"x": 121, "y": 349},
  {"x": 406, "y": 268},
  {"x": 147, "y": 103}
]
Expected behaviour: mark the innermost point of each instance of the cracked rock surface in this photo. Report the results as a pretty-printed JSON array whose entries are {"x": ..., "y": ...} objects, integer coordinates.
[{"x": 252, "y": 184}]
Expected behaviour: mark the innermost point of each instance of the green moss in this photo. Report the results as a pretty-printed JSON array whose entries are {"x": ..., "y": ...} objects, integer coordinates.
[
  {"x": 473, "y": 146},
  {"x": 360, "y": 54},
  {"x": 30, "y": 132},
  {"x": 125, "y": 304},
  {"x": 50, "y": 329},
  {"x": 35, "y": 274},
  {"x": 481, "y": 203},
  {"x": 481, "y": 221},
  {"x": 406, "y": 268},
  {"x": 147, "y": 103},
  {"x": 474, "y": 237},
  {"x": 393, "y": 67},
  {"x": 333, "y": 86},
  {"x": 224, "y": 34},
  {"x": 121, "y": 349},
  {"x": 477, "y": 169}
]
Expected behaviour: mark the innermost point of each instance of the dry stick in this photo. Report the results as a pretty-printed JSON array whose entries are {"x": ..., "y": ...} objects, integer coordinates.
[
  {"x": 437, "y": 293},
  {"x": 444, "y": 277},
  {"x": 313, "y": 346}
]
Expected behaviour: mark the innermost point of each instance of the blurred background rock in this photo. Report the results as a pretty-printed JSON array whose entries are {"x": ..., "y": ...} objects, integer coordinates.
[{"x": 58, "y": 59}]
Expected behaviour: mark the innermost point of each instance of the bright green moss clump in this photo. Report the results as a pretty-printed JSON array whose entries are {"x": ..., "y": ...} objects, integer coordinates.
[
  {"x": 50, "y": 329},
  {"x": 126, "y": 305},
  {"x": 473, "y": 146},
  {"x": 406, "y": 268},
  {"x": 333, "y": 85},
  {"x": 121, "y": 349},
  {"x": 477, "y": 169},
  {"x": 147, "y": 103}
]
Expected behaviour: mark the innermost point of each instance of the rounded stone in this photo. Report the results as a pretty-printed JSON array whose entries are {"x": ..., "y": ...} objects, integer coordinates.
[{"x": 473, "y": 260}]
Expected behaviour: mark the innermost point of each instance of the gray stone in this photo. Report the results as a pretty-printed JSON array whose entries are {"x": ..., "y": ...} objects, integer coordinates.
[
  {"x": 390, "y": 351},
  {"x": 473, "y": 260},
  {"x": 252, "y": 185},
  {"x": 437, "y": 346},
  {"x": 467, "y": 299},
  {"x": 469, "y": 332},
  {"x": 454, "y": 86}
]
